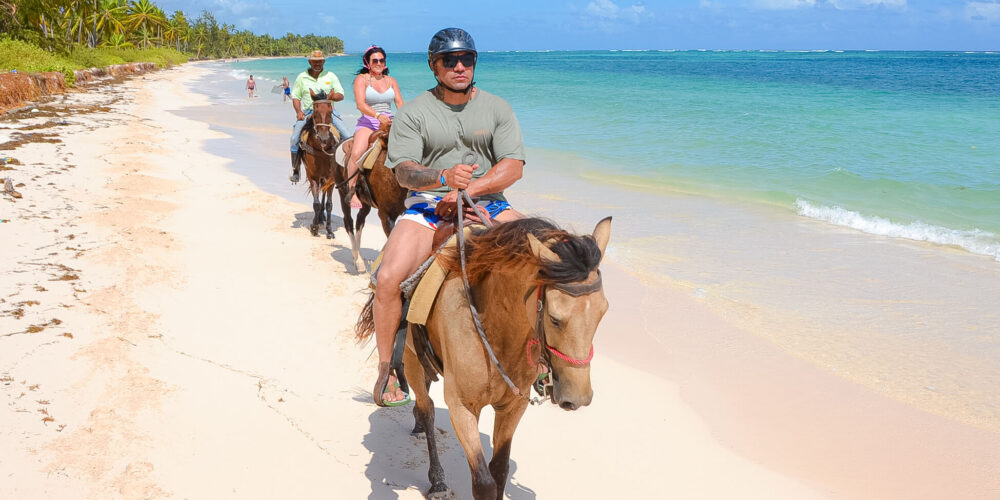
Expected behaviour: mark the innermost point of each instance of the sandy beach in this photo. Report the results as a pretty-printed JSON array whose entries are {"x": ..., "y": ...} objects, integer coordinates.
[{"x": 169, "y": 329}]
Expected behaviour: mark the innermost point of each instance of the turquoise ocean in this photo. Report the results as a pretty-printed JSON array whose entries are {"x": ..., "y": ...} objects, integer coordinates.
[
  {"x": 845, "y": 206},
  {"x": 903, "y": 144}
]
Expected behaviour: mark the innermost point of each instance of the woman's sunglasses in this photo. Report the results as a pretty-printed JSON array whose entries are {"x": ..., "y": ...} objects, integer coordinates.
[
  {"x": 375, "y": 60},
  {"x": 467, "y": 59}
]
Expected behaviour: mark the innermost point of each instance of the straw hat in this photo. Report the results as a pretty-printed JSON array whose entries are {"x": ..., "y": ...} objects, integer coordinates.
[{"x": 317, "y": 55}]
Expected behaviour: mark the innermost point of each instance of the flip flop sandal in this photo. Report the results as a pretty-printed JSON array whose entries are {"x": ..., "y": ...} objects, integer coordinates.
[
  {"x": 402, "y": 402},
  {"x": 382, "y": 387}
]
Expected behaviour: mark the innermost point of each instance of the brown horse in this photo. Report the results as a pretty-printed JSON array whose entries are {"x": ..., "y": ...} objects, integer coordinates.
[
  {"x": 376, "y": 187},
  {"x": 318, "y": 151},
  {"x": 540, "y": 291}
]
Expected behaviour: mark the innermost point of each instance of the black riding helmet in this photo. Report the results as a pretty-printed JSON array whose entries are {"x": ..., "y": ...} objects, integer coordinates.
[{"x": 450, "y": 40}]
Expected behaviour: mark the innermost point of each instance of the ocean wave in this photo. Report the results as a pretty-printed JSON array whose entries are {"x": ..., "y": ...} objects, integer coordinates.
[
  {"x": 976, "y": 240},
  {"x": 242, "y": 74}
]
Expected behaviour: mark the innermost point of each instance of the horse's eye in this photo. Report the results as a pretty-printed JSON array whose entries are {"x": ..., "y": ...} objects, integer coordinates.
[{"x": 554, "y": 321}]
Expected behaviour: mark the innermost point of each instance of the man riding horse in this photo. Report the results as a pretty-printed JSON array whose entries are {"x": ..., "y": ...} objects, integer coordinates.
[
  {"x": 317, "y": 80},
  {"x": 430, "y": 144}
]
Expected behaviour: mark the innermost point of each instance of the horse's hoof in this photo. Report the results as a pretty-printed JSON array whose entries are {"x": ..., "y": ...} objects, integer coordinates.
[
  {"x": 314, "y": 229},
  {"x": 329, "y": 235},
  {"x": 441, "y": 495}
]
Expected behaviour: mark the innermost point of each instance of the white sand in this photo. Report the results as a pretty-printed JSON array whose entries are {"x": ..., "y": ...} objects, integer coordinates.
[{"x": 204, "y": 350}]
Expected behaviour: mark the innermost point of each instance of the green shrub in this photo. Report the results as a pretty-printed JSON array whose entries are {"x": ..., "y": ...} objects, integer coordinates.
[{"x": 27, "y": 57}]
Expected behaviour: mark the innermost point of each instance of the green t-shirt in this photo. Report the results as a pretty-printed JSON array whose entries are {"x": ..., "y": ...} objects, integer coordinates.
[
  {"x": 437, "y": 135},
  {"x": 326, "y": 81}
]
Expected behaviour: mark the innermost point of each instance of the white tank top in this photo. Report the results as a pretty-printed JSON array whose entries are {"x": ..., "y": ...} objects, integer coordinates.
[{"x": 381, "y": 102}]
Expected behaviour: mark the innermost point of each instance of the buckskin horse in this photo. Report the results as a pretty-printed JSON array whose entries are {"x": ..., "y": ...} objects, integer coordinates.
[
  {"x": 542, "y": 297},
  {"x": 376, "y": 187},
  {"x": 318, "y": 151}
]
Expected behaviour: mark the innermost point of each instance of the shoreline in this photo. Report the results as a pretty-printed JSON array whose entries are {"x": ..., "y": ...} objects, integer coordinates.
[{"x": 203, "y": 313}]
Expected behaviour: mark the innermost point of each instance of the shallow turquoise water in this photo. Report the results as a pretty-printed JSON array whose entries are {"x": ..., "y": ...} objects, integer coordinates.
[{"x": 893, "y": 143}]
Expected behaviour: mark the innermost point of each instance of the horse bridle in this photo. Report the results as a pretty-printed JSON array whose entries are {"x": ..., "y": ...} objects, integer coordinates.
[
  {"x": 574, "y": 290},
  {"x": 323, "y": 101},
  {"x": 309, "y": 149}
]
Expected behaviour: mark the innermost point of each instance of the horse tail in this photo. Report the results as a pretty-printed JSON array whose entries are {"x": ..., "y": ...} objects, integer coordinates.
[{"x": 365, "y": 326}]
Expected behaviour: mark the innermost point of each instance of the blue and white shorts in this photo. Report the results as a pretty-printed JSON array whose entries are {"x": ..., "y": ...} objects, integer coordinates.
[{"x": 420, "y": 208}]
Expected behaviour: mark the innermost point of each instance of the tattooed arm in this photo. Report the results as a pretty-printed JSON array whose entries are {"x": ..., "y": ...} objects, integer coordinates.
[{"x": 417, "y": 177}]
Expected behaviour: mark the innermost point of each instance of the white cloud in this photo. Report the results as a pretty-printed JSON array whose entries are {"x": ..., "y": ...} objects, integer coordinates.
[
  {"x": 783, "y": 4},
  {"x": 603, "y": 8},
  {"x": 983, "y": 11},
  {"x": 864, "y": 4},
  {"x": 609, "y": 11}
]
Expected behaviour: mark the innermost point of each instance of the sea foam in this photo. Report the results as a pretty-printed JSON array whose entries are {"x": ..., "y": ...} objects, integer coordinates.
[{"x": 975, "y": 241}]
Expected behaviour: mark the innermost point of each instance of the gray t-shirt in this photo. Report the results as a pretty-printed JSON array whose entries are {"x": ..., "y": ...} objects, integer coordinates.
[{"x": 438, "y": 135}]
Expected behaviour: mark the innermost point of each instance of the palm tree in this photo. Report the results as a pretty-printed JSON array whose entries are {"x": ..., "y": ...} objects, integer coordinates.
[
  {"x": 107, "y": 19},
  {"x": 117, "y": 41},
  {"x": 143, "y": 19}
]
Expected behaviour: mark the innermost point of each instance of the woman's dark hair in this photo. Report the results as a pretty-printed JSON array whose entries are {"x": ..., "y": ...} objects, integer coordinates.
[{"x": 374, "y": 49}]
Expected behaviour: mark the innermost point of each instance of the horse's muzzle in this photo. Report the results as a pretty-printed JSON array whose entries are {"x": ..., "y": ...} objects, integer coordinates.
[{"x": 571, "y": 396}]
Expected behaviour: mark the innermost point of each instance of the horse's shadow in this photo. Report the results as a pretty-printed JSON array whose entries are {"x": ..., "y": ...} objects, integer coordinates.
[
  {"x": 342, "y": 247},
  {"x": 302, "y": 220},
  {"x": 399, "y": 459}
]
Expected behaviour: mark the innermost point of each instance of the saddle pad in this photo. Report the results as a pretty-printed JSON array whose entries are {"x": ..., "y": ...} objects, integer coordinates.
[
  {"x": 371, "y": 155},
  {"x": 429, "y": 285},
  {"x": 340, "y": 156},
  {"x": 427, "y": 289}
]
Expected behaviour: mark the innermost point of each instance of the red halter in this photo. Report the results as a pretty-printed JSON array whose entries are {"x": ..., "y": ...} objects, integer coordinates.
[{"x": 572, "y": 289}]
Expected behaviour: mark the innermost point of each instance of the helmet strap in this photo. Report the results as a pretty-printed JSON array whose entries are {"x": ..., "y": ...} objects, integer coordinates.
[{"x": 465, "y": 91}]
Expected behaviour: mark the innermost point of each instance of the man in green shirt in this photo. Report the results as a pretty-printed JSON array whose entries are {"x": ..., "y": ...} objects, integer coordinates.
[
  {"x": 430, "y": 138},
  {"x": 315, "y": 79}
]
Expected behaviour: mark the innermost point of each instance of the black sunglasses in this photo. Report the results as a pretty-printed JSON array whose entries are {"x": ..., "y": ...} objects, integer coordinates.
[
  {"x": 376, "y": 60},
  {"x": 468, "y": 59}
]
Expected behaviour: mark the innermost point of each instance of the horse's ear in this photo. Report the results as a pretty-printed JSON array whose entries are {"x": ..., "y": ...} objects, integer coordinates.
[
  {"x": 602, "y": 233},
  {"x": 540, "y": 250},
  {"x": 312, "y": 94}
]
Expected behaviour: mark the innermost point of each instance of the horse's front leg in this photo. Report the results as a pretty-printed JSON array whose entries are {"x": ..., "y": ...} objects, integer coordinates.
[
  {"x": 328, "y": 211},
  {"x": 465, "y": 421},
  {"x": 423, "y": 415},
  {"x": 359, "y": 263},
  {"x": 507, "y": 418},
  {"x": 317, "y": 208},
  {"x": 345, "y": 208}
]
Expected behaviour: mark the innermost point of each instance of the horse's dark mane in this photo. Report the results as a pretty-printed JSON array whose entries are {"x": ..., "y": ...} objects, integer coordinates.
[
  {"x": 318, "y": 96},
  {"x": 506, "y": 245}
]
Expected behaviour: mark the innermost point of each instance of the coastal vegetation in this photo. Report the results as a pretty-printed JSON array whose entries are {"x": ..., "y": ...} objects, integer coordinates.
[{"x": 66, "y": 35}]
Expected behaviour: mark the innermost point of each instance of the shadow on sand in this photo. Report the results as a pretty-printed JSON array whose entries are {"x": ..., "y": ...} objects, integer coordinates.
[
  {"x": 399, "y": 459},
  {"x": 342, "y": 247}
]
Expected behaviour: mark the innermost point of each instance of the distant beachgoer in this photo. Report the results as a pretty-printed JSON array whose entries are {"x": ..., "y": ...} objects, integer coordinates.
[
  {"x": 315, "y": 79},
  {"x": 374, "y": 92},
  {"x": 250, "y": 86},
  {"x": 288, "y": 88}
]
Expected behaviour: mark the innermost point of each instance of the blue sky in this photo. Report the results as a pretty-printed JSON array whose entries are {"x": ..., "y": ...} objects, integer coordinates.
[{"x": 407, "y": 25}]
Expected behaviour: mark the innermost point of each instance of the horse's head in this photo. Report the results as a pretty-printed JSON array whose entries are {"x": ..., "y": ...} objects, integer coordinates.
[
  {"x": 570, "y": 305},
  {"x": 322, "y": 117}
]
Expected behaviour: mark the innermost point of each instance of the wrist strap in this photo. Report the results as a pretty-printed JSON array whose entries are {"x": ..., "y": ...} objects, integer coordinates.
[{"x": 443, "y": 181}]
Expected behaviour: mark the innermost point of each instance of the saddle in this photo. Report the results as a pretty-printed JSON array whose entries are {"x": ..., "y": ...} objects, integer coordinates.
[{"x": 421, "y": 289}]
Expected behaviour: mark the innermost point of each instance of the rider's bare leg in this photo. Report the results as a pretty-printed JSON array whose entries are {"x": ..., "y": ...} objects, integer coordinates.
[
  {"x": 361, "y": 137},
  {"x": 408, "y": 246}
]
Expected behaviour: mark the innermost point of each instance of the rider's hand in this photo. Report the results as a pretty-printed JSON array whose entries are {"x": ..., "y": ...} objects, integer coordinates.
[
  {"x": 446, "y": 207},
  {"x": 300, "y": 116},
  {"x": 383, "y": 120},
  {"x": 459, "y": 176}
]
